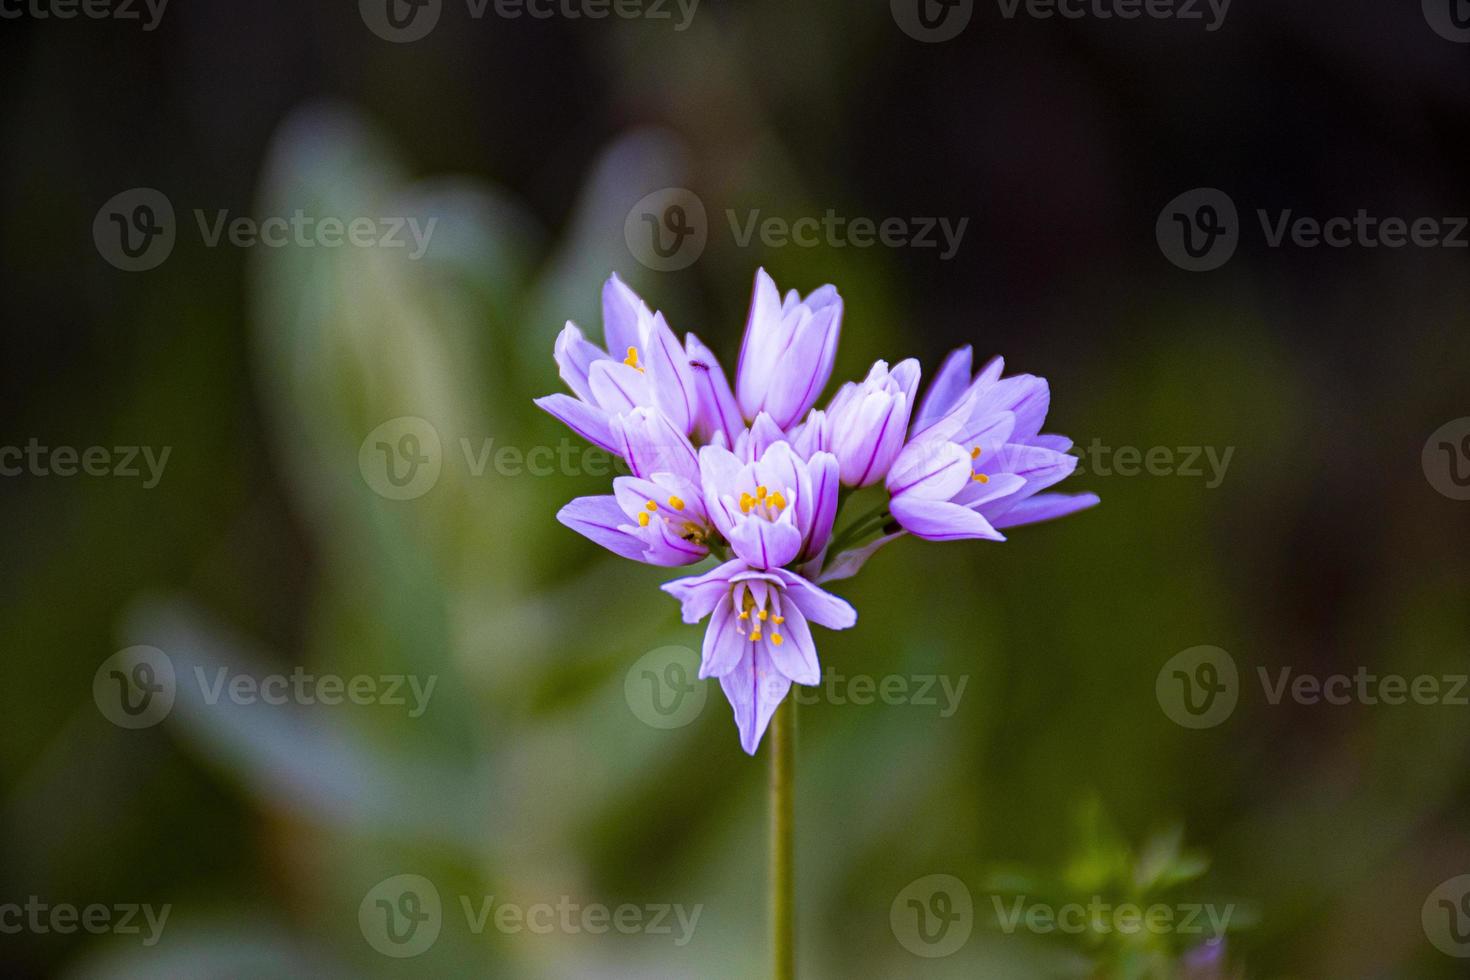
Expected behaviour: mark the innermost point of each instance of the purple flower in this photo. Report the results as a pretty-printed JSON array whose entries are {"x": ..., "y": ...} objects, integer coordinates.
[
  {"x": 661, "y": 521},
  {"x": 775, "y": 509},
  {"x": 867, "y": 421},
  {"x": 643, "y": 367},
  {"x": 786, "y": 357},
  {"x": 758, "y": 641}
]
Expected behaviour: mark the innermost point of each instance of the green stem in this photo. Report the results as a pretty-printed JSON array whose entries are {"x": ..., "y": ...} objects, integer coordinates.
[
  {"x": 783, "y": 820},
  {"x": 860, "y": 528}
]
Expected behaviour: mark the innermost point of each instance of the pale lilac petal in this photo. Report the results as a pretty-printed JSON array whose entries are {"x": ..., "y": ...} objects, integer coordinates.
[
  {"x": 940, "y": 520},
  {"x": 1045, "y": 507},
  {"x": 574, "y": 358},
  {"x": 930, "y": 469},
  {"x": 984, "y": 497},
  {"x": 760, "y": 346},
  {"x": 617, "y": 387},
  {"x": 817, "y": 510},
  {"x": 947, "y": 388},
  {"x": 719, "y": 470},
  {"x": 623, "y": 316},
  {"x": 600, "y": 519},
  {"x": 723, "y": 643},
  {"x": 1058, "y": 444},
  {"x": 754, "y": 689},
  {"x": 1025, "y": 396},
  {"x": 699, "y": 594},
  {"x": 650, "y": 444},
  {"x": 850, "y": 562},
  {"x": 671, "y": 377},
  {"x": 796, "y": 656},
  {"x": 803, "y": 369},
  {"x": 718, "y": 412},
  {"x": 812, "y": 436},
  {"x": 666, "y": 546},
  {"x": 818, "y": 605},
  {"x": 765, "y": 544},
  {"x": 906, "y": 377},
  {"x": 587, "y": 421},
  {"x": 1040, "y": 467},
  {"x": 867, "y": 449},
  {"x": 764, "y": 433}
]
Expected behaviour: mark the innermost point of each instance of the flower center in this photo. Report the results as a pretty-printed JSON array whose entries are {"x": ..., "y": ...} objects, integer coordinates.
[
  {"x": 763, "y": 503},
  {"x": 978, "y": 477},
  {"x": 757, "y": 615},
  {"x": 692, "y": 531}
]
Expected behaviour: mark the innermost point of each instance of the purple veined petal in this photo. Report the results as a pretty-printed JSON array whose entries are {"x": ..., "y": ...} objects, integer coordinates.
[
  {"x": 778, "y": 468},
  {"x": 600, "y": 519},
  {"x": 719, "y": 471},
  {"x": 850, "y": 562},
  {"x": 817, "y": 509},
  {"x": 797, "y": 378},
  {"x": 724, "y": 645},
  {"x": 811, "y": 436},
  {"x": 906, "y": 377},
  {"x": 1040, "y": 467},
  {"x": 991, "y": 372},
  {"x": 989, "y": 434},
  {"x": 718, "y": 413},
  {"x": 1045, "y": 507},
  {"x": 1025, "y": 396},
  {"x": 699, "y": 594},
  {"x": 650, "y": 444},
  {"x": 1057, "y": 444},
  {"x": 623, "y": 317},
  {"x": 940, "y": 520},
  {"x": 817, "y": 605},
  {"x": 574, "y": 358},
  {"x": 619, "y": 388},
  {"x": 764, "y": 433},
  {"x": 760, "y": 345},
  {"x": 995, "y": 495},
  {"x": 635, "y": 492},
  {"x": 666, "y": 546},
  {"x": 930, "y": 469},
  {"x": 796, "y": 655},
  {"x": 947, "y": 388},
  {"x": 754, "y": 690},
  {"x": 765, "y": 544},
  {"x": 671, "y": 378},
  {"x": 587, "y": 421},
  {"x": 866, "y": 451}
]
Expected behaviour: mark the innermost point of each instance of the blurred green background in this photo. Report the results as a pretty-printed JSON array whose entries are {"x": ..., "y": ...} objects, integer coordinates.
[{"x": 533, "y": 775}]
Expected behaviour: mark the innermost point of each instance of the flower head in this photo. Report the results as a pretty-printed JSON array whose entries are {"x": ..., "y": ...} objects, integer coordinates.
[
  {"x": 775, "y": 509},
  {"x": 789, "y": 347}
]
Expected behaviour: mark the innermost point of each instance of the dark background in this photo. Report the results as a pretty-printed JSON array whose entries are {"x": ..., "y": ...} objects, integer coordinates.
[{"x": 1324, "y": 548}]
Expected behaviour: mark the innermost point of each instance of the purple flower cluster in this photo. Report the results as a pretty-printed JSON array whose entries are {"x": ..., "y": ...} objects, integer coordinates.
[{"x": 755, "y": 475}]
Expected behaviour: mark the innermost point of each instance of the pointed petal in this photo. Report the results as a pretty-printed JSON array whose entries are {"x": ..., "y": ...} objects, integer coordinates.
[
  {"x": 671, "y": 377},
  {"x": 930, "y": 469},
  {"x": 617, "y": 387},
  {"x": 818, "y": 605},
  {"x": 947, "y": 388},
  {"x": 850, "y": 562},
  {"x": 796, "y": 656},
  {"x": 723, "y": 643},
  {"x": 601, "y": 520},
  {"x": 754, "y": 689},
  {"x": 717, "y": 410},
  {"x": 760, "y": 345},
  {"x": 699, "y": 594},
  {"x": 719, "y": 470},
  {"x": 650, "y": 444},
  {"x": 623, "y": 314},
  {"x": 1046, "y": 507},
  {"x": 940, "y": 520},
  {"x": 585, "y": 420},
  {"x": 803, "y": 368},
  {"x": 574, "y": 358},
  {"x": 765, "y": 544},
  {"x": 818, "y": 509}
]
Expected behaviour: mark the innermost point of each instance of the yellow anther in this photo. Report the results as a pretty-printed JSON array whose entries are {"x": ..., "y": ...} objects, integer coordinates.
[
  {"x": 632, "y": 359},
  {"x": 776, "y": 639},
  {"x": 980, "y": 478},
  {"x": 778, "y": 620},
  {"x": 760, "y": 493},
  {"x": 777, "y": 501},
  {"x": 763, "y": 615},
  {"x": 975, "y": 453},
  {"x": 745, "y": 614},
  {"x": 642, "y": 519},
  {"x": 652, "y": 505},
  {"x": 746, "y": 502},
  {"x": 676, "y": 502},
  {"x": 755, "y": 635}
]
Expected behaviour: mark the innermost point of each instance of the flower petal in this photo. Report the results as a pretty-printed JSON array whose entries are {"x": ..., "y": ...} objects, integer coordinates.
[
  {"x": 724, "y": 645},
  {"x": 699, "y": 594},
  {"x": 930, "y": 469},
  {"x": 817, "y": 509},
  {"x": 587, "y": 421},
  {"x": 765, "y": 544},
  {"x": 719, "y": 469},
  {"x": 617, "y": 387},
  {"x": 947, "y": 388},
  {"x": 754, "y": 690},
  {"x": 796, "y": 656},
  {"x": 575, "y": 356},
  {"x": 850, "y": 562},
  {"x": 818, "y": 605},
  {"x": 760, "y": 346},
  {"x": 717, "y": 410},
  {"x": 671, "y": 377},
  {"x": 623, "y": 317},
  {"x": 650, "y": 444},
  {"x": 1045, "y": 507},
  {"x": 940, "y": 520},
  {"x": 600, "y": 519}
]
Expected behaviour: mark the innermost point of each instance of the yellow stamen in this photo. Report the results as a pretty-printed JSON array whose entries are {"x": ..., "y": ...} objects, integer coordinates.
[
  {"x": 776, "y": 639},
  {"x": 676, "y": 502},
  {"x": 642, "y": 519},
  {"x": 651, "y": 505},
  {"x": 762, "y": 615},
  {"x": 760, "y": 493},
  {"x": 745, "y": 615},
  {"x": 975, "y": 453},
  {"x": 632, "y": 359},
  {"x": 777, "y": 501},
  {"x": 980, "y": 478},
  {"x": 755, "y": 635},
  {"x": 746, "y": 502},
  {"x": 778, "y": 620}
]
